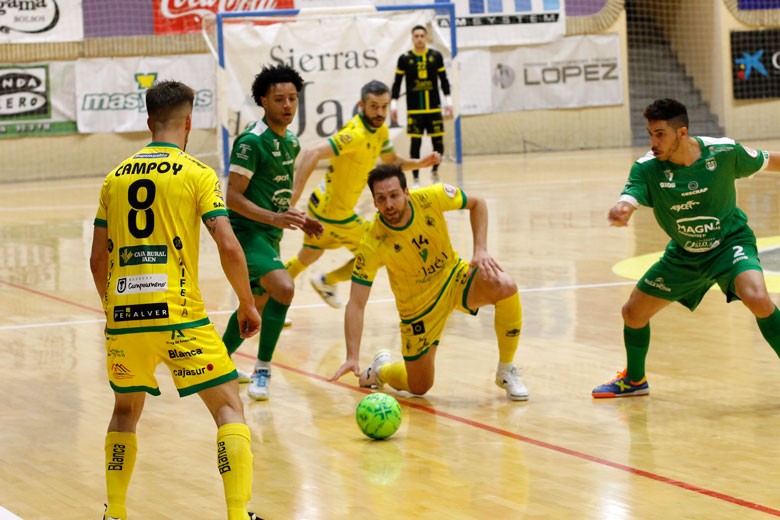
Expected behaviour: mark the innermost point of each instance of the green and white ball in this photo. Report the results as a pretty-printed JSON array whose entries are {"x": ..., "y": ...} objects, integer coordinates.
[{"x": 378, "y": 415}]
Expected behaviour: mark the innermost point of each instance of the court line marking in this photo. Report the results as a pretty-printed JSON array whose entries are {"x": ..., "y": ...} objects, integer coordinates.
[
  {"x": 5, "y": 514},
  {"x": 542, "y": 444},
  {"x": 463, "y": 420}
]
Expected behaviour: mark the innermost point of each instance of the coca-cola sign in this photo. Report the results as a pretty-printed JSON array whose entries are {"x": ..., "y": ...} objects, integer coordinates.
[{"x": 182, "y": 16}]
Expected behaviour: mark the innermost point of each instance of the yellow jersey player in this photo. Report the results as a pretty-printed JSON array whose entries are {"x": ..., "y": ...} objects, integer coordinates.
[
  {"x": 352, "y": 152},
  {"x": 144, "y": 263},
  {"x": 429, "y": 281}
]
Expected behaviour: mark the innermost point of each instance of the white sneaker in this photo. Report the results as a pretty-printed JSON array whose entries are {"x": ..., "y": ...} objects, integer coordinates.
[
  {"x": 287, "y": 322},
  {"x": 435, "y": 178},
  {"x": 511, "y": 381},
  {"x": 369, "y": 378},
  {"x": 415, "y": 184},
  {"x": 326, "y": 292},
  {"x": 258, "y": 385},
  {"x": 243, "y": 375}
]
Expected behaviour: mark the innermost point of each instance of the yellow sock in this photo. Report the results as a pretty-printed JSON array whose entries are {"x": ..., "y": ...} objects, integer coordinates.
[
  {"x": 342, "y": 274},
  {"x": 394, "y": 374},
  {"x": 508, "y": 322},
  {"x": 234, "y": 462},
  {"x": 121, "y": 449},
  {"x": 294, "y": 266}
]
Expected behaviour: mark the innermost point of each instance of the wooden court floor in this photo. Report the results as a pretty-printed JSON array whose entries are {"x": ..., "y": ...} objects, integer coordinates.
[{"x": 704, "y": 444}]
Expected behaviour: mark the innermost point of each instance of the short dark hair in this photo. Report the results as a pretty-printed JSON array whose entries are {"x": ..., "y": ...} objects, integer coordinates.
[
  {"x": 272, "y": 76},
  {"x": 373, "y": 87},
  {"x": 418, "y": 27},
  {"x": 384, "y": 172},
  {"x": 167, "y": 97},
  {"x": 669, "y": 110}
]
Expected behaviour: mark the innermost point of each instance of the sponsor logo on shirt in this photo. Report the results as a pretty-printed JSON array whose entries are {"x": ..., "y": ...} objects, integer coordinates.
[
  {"x": 147, "y": 311},
  {"x": 711, "y": 164},
  {"x": 144, "y": 283},
  {"x": 450, "y": 190},
  {"x": 136, "y": 255},
  {"x": 684, "y": 207}
]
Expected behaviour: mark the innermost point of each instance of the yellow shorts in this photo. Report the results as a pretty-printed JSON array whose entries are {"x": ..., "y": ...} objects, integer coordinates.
[
  {"x": 338, "y": 234},
  {"x": 196, "y": 357},
  {"x": 418, "y": 334}
]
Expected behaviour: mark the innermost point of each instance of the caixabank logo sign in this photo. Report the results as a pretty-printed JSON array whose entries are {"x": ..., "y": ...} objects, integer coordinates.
[
  {"x": 24, "y": 92},
  {"x": 28, "y": 16},
  {"x": 755, "y": 62}
]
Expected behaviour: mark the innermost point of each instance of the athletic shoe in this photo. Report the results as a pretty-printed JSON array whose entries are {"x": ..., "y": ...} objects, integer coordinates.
[
  {"x": 258, "y": 385},
  {"x": 326, "y": 292},
  {"x": 287, "y": 322},
  {"x": 243, "y": 375},
  {"x": 435, "y": 178},
  {"x": 510, "y": 380},
  {"x": 369, "y": 378},
  {"x": 105, "y": 507},
  {"x": 253, "y": 516},
  {"x": 621, "y": 387},
  {"x": 415, "y": 184}
]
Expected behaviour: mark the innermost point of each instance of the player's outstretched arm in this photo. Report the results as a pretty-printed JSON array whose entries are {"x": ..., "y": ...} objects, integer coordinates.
[
  {"x": 306, "y": 164},
  {"x": 411, "y": 164},
  {"x": 234, "y": 265},
  {"x": 354, "y": 314}
]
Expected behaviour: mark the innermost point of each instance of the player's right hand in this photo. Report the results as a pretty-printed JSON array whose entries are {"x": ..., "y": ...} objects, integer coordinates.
[
  {"x": 619, "y": 214},
  {"x": 348, "y": 366},
  {"x": 394, "y": 116}
]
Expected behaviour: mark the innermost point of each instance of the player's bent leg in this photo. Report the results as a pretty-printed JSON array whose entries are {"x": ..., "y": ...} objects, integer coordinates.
[
  {"x": 751, "y": 289},
  {"x": 421, "y": 372}
]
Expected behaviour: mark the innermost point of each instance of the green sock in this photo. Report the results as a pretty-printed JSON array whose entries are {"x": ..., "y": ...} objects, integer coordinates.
[
  {"x": 770, "y": 329},
  {"x": 232, "y": 336},
  {"x": 637, "y": 342},
  {"x": 272, "y": 324}
]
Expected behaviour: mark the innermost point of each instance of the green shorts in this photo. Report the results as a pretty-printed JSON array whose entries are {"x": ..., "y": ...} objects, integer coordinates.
[
  {"x": 262, "y": 255},
  {"x": 420, "y": 333},
  {"x": 684, "y": 277}
]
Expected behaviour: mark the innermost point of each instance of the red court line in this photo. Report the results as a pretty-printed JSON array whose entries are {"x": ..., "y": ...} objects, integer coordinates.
[
  {"x": 51, "y": 297},
  {"x": 542, "y": 444},
  {"x": 482, "y": 426}
]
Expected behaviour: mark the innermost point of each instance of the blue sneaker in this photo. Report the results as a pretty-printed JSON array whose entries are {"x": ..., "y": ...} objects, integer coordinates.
[
  {"x": 621, "y": 387},
  {"x": 258, "y": 384}
]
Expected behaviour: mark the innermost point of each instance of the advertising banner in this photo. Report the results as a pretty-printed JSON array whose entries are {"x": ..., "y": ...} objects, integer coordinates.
[
  {"x": 335, "y": 59},
  {"x": 183, "y": 16},
  {"x": 758, "y": 4},
  {"x": 577, "y": 71},
  {"x": 486, "y": 23},
  {"x": 110, "y": 92},
  {"x": 33, "y": 21},
  {"x": 755, "y": 64},
  {"x": 37, "y": 99}
]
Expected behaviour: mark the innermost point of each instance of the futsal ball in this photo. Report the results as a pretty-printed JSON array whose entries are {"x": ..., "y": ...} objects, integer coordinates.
[{"x": 378, "y": 415}]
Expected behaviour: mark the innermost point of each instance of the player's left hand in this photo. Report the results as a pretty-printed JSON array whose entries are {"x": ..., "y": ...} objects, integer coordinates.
[
  {"x": 488, "y": 267},
  {"x": 312, "y": 227},
  {"x": 430, "y": 159}
]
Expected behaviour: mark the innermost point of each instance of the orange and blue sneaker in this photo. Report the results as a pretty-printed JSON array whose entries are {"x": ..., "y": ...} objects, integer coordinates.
[{"x": 621, "y": 387}]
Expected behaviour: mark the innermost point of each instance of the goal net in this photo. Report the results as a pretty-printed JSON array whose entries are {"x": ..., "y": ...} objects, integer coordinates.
[{"x": 336, "y": 50}]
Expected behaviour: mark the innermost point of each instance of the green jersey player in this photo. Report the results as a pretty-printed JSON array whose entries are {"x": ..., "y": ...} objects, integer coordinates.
[
  {"x": 690, "y": 184},
  {"x": 258, "y": 197}
]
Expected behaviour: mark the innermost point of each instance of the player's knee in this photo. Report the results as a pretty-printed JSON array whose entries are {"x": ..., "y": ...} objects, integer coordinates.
[
  {"x": 420, "y": 387},
  {"x": 505, "y": 287},
  {"x": 632, "y": 317},
  {"x": 757, "y": 300}
]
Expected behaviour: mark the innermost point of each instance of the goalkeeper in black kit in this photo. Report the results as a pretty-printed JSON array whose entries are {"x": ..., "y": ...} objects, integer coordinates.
[{"x": 424, "y": 70}]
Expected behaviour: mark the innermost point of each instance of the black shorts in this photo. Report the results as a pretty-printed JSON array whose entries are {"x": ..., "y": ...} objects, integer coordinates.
[{"x": 418, "y": 124}]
